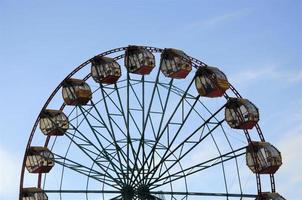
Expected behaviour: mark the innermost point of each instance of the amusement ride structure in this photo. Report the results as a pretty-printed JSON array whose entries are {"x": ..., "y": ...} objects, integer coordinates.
[{"x": 148, "y": 123}]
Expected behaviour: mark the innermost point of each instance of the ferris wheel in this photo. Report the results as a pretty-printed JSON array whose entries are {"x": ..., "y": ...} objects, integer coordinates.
[{"x": 148, "y": 123}]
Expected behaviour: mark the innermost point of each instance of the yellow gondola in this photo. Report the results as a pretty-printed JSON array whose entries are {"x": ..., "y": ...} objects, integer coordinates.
[
  {"x": 76, "y": 92},
  {"x": 53, "y": 122},
  {"x": 39, "y": 160},
  {"x": 211, "y": 82}
]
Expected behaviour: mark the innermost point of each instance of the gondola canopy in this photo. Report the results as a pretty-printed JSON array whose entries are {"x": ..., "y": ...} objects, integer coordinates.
[
  {"x": 211, "y": 82},
  {"x": 139, "y": 60},
  {"x": 33, "y": 194},
  {"x": 53, "y": 122},
  {"x": 105, "y": 70},
  {"x": 39, "y": 160},
  {"x": 241, "y": 113},
  {"x": 76, "y": 92},
  {"x": 263, "y": 158},
  {"x": 175, "y": 63}
]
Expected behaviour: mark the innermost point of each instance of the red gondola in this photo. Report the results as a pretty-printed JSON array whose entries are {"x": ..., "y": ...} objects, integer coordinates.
[
  {"x": 175, "y": 63},
  {"x": 211, "y": 82},
  {"x": 139, "y": 60},
  {"x": 105, "y": 70}
]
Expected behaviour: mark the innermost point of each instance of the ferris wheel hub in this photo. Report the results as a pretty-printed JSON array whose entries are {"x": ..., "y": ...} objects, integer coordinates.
[
  {"x": 127, "y": 192},
  {"x": 143, "y": 192}
]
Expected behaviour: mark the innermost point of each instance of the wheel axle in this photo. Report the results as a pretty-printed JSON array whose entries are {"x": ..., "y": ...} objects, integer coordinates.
[{"x": 142, "y": 192}]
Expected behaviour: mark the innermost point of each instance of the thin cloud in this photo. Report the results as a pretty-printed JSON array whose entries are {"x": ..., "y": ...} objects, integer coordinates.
[
  {"x": 223, "y": 18},
  {"x": 218, "y": 20}
]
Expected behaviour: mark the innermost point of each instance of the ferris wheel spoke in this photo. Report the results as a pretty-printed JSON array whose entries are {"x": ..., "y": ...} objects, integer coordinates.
[
  {"x": 162, "y": 180},
  {"x": 189, "y": 142},
  {"x": 107, "y": 95},
  {"x": 101, "y": 123},
  {"x": 222, "y": 162},
  {"x": 169, "y": 175},
  {"x": 135, "y": 154},
  {"x": 118, "y": 125},
  {"x": 85, "y": 139},
  {"x": 119, "y": 197},
  {"x": 110, "y": 179},
  {"x": 202, "y": 194},
  {"x": 161, "y": 132},
  {"x": 81, "y": 169},
  {"x": 77, "y": 115},
  {"x": 150, "y": 144},
  {"x": 137, "y": 161},
  {"x": 178, "y": 91},
  {"x": 134, "y": 92},
  {"x": 217, "y": 147},
  {"x": 105, "y": 179},
  {"x": 143, "y": 122},
  {"x": 83, "y": 191},
  {"x": 83, "y": 146},
  {"x": 108, "y": 156},
  {"x": 236, "y": 159},
  {"x": 153, "y": 197},
  {"x": 112, "y": 133},
  {"x": 135, "y": 123},
  {"x": 156, "y": 135},
  {"x": 141, "y": 142},
  {"x": 228, "y": 142},
  {"x": 128, "y": 131}
]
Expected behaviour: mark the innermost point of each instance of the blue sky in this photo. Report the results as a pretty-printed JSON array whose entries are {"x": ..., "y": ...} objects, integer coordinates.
[{"x": 256, "y": 43}]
